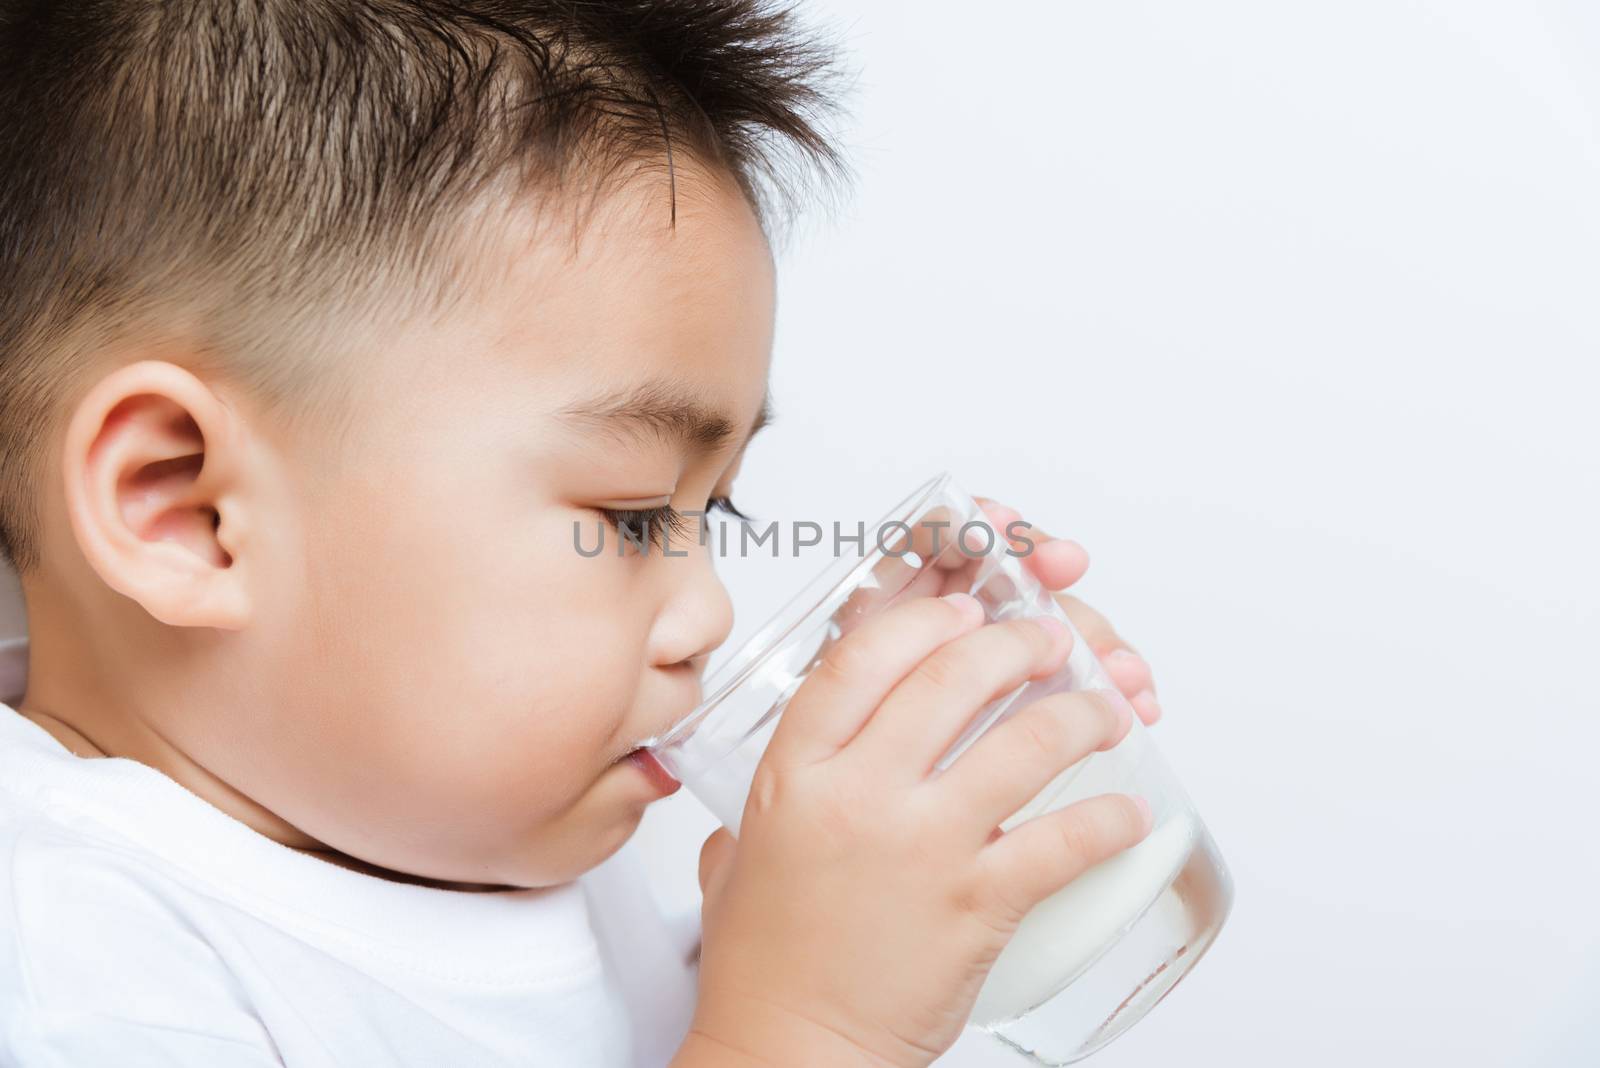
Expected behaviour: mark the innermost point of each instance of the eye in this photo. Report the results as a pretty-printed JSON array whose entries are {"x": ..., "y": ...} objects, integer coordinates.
[
  {"x": 647, "y": 526},
  {"x": 660, "y": 525},
  {"x": 725, "y": 504}
]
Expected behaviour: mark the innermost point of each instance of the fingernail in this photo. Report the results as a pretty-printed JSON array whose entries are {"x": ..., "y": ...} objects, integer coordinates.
[
  {"x": 1064, "y": 547},
  {"x": 969, "y": 605},
  {"x": 1149, "y": 708},
  {"x": 1144, "y": 810},
  {"x": 1055, "y": 628}
]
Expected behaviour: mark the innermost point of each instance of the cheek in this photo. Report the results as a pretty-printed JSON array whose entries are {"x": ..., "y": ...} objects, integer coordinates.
[
  {"x": 478, "y": 664},
  {"x": 548, "y": 711},
  {"x": 532, "y": 677}
]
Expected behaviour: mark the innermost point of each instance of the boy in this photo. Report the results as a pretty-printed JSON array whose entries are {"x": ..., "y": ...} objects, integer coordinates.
[{"x": 321, "y": 323}]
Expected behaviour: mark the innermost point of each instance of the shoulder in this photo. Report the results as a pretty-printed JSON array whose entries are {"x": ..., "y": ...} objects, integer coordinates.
[
  {"x": 100, "y": 950},
  {"x": 78, "y": 908}
]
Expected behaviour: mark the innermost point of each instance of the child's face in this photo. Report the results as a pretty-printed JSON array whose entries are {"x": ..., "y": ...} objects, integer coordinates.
[{"x": 458, "y": 682}]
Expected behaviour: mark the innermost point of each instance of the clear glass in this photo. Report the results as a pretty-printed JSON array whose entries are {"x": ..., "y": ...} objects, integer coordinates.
[{"x": 1090, "y": 960}]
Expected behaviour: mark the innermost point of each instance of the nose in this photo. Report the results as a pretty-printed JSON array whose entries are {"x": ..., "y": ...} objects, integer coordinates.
[{"x": 696, "y": 617}]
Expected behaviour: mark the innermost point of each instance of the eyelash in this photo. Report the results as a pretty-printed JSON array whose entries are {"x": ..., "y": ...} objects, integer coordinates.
[{"x": 664, "y": 518}]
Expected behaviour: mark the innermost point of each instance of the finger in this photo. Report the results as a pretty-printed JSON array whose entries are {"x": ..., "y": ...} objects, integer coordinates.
[
  {"x": 714, "y": 857},
  {"x": 937, "y": 552},
  {"x": 1056, "y": 562},
  {"x": 907, "y": 568},
  {"x": 976, "y": 545},
  {"x": 1095, "y": 628},
  {"x": 999, "y": 515},
  {"x": 1013, "y": 761},
  {"x": 1129, "y": 671},
  {"x": 993, "y": 507},
  {"x": 1132, "y": 677},
  {"x": 920, "y": 719},
  {"x": 860, "y": 669},
  {"x": 1038, "y": 857},
  {"x": 933, "y": 555},
  {"x": 1144, "y": 702}
]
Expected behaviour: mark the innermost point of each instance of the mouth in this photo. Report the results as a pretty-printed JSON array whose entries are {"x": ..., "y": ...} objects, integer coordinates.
[
  {"x": 642, "y": 745},
  {"x": 652, "y": 771},
  {"x": 640, "y": 754}
]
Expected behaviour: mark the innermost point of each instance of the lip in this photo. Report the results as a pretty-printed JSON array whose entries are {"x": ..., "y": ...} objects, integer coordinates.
[{"x": 652, "y": 771}]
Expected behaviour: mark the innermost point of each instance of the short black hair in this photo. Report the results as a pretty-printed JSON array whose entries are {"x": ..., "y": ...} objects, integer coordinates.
[{"x": 240, "y": 164}]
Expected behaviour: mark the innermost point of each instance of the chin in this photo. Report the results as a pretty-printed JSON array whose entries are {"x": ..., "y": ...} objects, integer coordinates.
[
  {"x": 597, "y": 846},
  {"x": 615, "y": 836},
  {"x": 591, "y": 831}
]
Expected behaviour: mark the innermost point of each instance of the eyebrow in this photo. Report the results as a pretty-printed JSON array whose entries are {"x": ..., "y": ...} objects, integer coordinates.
[{"x": 662, "y": 411}]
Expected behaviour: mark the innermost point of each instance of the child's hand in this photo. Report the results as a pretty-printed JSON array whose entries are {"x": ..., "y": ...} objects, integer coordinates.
[
  {"x": 1058, "y": 563},
  {"x": 857, "y": 915}
]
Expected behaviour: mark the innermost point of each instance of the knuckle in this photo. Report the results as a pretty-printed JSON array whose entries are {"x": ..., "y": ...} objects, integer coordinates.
[
  {"x": 1119, "y": 718},
  {"x": 1046, "y": 734},
  {"x": 832, "y": 808},
  {"x": 945, "y": 668},
  {"x": 987, "y": 901},
  {"x": 1030, "y": 635},
  {"x": 847, "y": 661},
  {"x": 1098, "y": 709},
  {"x": 1081, "y": 837},
  {"x": 767, "y": 790},
  {"x": 1094, "y": 703},
  {"x": 1101, "y": 635},
  {"x": 1110, "y": 823}
]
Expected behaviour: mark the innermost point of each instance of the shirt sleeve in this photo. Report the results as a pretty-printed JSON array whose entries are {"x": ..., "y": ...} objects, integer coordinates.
[
  {"x": 72, "y": 1039},
  {"x": 99, "y": 967}
]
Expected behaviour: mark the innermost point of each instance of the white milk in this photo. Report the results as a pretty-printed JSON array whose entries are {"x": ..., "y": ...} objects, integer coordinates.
[{"x": 1068, "y": 929}]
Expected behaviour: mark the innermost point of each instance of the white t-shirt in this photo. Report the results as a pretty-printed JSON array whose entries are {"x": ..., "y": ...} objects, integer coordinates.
[{"x": 141, "y": 926}]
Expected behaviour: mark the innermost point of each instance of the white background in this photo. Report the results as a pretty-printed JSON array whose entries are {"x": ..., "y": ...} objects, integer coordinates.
[{"x": 1287, "y": 311}]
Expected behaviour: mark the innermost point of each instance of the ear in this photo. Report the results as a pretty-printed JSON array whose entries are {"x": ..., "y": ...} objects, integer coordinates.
[{"x": 156, "y": 493}]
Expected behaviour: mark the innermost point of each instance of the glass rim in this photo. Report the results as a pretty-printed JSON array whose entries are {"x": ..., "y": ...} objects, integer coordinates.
[{"x": 761, "y": 646}]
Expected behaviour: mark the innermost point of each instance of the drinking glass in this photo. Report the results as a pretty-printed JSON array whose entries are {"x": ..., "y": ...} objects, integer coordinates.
[{"x": 1090, "y": 960}]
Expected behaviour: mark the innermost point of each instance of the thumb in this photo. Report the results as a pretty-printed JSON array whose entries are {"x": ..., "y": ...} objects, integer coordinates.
[{"x": 714, "y": 857}]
